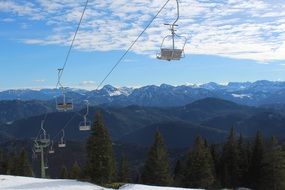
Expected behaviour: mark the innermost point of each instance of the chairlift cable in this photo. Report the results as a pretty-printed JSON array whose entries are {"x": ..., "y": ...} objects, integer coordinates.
[
  {"x": 117, "y": 63},
  {"x": 131, "y": 46},
  {"x": 73, "y": 40}
]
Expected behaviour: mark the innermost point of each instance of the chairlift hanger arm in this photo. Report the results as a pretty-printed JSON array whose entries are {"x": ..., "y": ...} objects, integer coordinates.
[{"x": 178, "y": 15}]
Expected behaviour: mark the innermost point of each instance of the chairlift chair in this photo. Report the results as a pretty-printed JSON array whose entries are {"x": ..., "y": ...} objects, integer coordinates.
[
  {"x": 46, "y": 165},
  {"x": 61, "y": 143},
  {"x": 62, "y": 103},
  {"x": 85, "y": 125},
  {"x": 172, "y": 46},
  {"x": 51, "y": 150},
  {"x": 37, "y": 148},
  {"x": 44, "y": 139}
]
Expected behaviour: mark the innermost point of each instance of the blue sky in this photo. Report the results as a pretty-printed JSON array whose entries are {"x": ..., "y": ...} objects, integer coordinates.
[{"x": 232, "y": 40}]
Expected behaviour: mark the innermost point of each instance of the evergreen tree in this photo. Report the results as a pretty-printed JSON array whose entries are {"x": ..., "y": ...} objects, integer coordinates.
[
  {"x": 178, "y": 174},
  {"x": 75, "y": 171},
  {"x": 23, "y": 167},
  {"x": 63, "y": 173},
  {"x": 217, "y": 165},
  {"x": 199, "y": 169},
  {"x": 274, "y": 167},
  {"x": 3, "y": 169},
  {"x": 231, "y": 173},
  {"x": 244, "y": 160},
  {"x": 156, "y": 170},
  {"x": 256, "y": 169},
  {"x": 100, "y": 157},
  {"x": 124, "y": 173}
]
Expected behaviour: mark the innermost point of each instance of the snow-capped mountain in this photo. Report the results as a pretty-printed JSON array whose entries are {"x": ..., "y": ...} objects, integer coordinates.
[{"x": 250, "y": 93}]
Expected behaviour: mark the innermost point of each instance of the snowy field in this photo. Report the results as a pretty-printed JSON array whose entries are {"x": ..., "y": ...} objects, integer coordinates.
[{"x": 26, "y": 183}]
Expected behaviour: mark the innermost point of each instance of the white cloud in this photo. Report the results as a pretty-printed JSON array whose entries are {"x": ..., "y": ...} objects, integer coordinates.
[
  {"x": 8, "y": 20},
  {"x": 252, "y": 29},
  {"x": 88, "y": 82},
  {"x": 40, "y": 80}
]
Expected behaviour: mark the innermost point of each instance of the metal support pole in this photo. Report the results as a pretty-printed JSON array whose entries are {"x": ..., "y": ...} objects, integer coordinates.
[{"x": 43, "y": 170}]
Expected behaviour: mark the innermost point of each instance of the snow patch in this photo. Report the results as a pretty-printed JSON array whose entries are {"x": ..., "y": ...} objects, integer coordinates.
[
  {"x": 28, "y": 183},
  {"x": 147, "y": 187},
  {"x": 241, "y": 95}
]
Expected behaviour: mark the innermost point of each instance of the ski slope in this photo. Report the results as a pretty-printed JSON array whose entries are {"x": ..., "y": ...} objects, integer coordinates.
[{"x": 28, "y": 183}]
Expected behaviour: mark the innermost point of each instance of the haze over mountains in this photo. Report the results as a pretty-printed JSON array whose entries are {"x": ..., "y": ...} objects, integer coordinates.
[{"x": 249, "y": 93}]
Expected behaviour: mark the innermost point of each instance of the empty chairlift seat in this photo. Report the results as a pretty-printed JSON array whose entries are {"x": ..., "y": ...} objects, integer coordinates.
[
  {"x": 172, "y": 48},
  {"x": 64, "y": 104},
  {"x": 61, "y": 144},
  {"x": 170, "y": 54},
  {"x": 85, "y": 126}
]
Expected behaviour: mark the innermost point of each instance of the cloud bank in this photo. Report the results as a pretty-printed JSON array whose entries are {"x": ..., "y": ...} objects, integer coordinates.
[{"x": 252, "y": 29}]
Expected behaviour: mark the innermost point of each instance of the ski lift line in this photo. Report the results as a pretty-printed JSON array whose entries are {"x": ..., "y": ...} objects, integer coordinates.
[
  {"x": 66, "y": 125},
  {"x": 114, "y": 67},
  {"x": 131, "y": 46},
  {"x": 73, "y": 40}
]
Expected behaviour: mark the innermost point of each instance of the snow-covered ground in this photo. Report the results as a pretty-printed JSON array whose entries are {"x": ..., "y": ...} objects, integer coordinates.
[{"x": 28, "y": 183}]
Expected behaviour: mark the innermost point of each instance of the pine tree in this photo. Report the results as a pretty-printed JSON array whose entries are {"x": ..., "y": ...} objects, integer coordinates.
[
  {"x": 231, "y": 173},
  {"x": 63, "y": 173},
  {"x": 23, "y": 165},
  {"x": 100, "y": 157},
  {"x": 156, "y": 170},
  {"x": 3, "y": 169},
  {"x": 274, "y": 167},
  {"x": 244, "y": 160},
  {"x": 75, "y": 171},
  {"x": 256, "y": 169},
  {"x": 124, "y": 173},
  {"x": 199, "y": 168},
  {"x": 178, "y": 174},
  {"x": 216, "y": 155}
]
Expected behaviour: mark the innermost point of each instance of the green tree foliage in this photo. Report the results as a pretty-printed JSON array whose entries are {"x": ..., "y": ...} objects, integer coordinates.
[
  {"x": 257, "y": 164},
  {"x": 199, "y": 171},
  {"x": 177, "y": 174},
  {"x": 124, "y": 171},
  {"x": 231, "y": 173},
  {"x": 274, "y": 167},
  {"x": 217, "y": 164},
  {"x": 63, "y": 173},
  {"x": 75, "y": 171},
  {"x": 244, "y": 161},
  {"x": 18, "y": 164},
  {"x": 4, "y": 164},
  {"x": 100, "y": 157},
  {"x": 156, "y": 170}
]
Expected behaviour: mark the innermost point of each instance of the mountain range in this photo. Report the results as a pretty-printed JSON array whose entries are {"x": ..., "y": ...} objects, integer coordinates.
[
  {"x": 247, "y": 93},
  {"x": 211, "y": 118}
]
